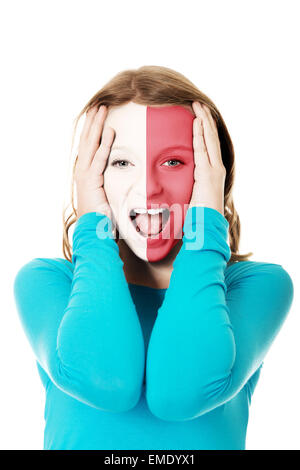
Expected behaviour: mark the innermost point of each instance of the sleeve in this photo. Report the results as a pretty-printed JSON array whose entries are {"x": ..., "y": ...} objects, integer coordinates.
[
  {"x": 85, "y": 331},
  {"x": 209, "y": 338}
]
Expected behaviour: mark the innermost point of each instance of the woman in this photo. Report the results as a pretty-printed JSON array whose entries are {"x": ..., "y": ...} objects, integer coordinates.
[{"x": 152, "y": 332}]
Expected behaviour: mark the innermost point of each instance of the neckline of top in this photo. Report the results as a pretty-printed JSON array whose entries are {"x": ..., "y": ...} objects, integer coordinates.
[{"x": 146, "y": 287}]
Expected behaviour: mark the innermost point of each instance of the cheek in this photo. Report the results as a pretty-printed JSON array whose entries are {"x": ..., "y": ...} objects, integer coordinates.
[
  {"x": 109, "y": 185},
  {"x": 116, "y": 186},
  {"x": 179, "y": 184}
]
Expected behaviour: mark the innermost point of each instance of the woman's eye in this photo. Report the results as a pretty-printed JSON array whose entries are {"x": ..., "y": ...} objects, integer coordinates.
[
  {"x": 114, "y": 163},
  {"x": 125, "y": 163},
  {"x": 178, "y": 161}
]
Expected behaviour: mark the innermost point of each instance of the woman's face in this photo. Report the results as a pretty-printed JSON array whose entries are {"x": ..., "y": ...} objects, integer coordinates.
[{"x": 150, "y": 166}]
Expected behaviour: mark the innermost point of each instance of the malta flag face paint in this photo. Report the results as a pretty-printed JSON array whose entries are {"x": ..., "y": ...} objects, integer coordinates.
[{"x": 149, "y": 175}]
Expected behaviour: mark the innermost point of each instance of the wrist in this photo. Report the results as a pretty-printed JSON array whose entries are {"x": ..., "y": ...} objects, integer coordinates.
[{"x": 217, "y": 207}]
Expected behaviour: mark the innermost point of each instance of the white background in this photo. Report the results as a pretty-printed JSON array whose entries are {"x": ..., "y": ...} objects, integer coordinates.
[{"x": 55, "y": 56}]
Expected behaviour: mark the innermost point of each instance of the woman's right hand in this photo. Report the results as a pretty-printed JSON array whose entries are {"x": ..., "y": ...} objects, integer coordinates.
[{"x": 91, "y": 162}]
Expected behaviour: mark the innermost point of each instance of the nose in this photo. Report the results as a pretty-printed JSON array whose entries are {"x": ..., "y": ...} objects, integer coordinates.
[
  {"x": 139, "y": 185},
  {"x": 147, "y": 186},
  {"x": 154, "y": 185},
  {"x": 154, "y": 188}
]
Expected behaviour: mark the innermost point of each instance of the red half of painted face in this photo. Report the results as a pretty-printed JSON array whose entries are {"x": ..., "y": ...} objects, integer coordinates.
[{"x": 169, "y": 172}]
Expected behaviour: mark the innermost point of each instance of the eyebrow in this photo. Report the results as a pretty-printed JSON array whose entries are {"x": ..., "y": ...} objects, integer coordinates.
[
  {"x": 175, "y": 147},
  {"x": 120, "y": 147}
]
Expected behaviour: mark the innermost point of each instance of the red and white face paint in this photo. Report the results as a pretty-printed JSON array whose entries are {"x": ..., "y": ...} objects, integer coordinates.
[{"x": 151, "y": 166}]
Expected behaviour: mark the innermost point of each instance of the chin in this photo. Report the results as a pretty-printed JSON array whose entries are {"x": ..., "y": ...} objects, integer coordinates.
[
  {"x": 161, "y": 251},
  {"x": 149, "y": 249}
]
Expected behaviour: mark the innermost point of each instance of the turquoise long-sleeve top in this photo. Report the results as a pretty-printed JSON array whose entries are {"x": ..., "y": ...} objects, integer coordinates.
[{"x": 126, "y": 366}]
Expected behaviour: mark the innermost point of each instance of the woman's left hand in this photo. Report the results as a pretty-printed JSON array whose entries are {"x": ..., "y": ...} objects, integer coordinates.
[{"x": 209, "y": 172}]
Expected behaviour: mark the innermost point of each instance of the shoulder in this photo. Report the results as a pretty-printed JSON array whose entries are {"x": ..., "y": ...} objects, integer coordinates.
[
  {"x": 39, "y": 268},
  {"x": 257, "y": 270},
  {"x": 268, "y": 280},
  {"x": 40, "y": 286}
]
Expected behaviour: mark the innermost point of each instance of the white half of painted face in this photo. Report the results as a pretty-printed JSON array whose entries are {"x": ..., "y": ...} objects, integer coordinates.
[
  {"x": 138, "y": 174},
  {"x": 125, "y": 188}
]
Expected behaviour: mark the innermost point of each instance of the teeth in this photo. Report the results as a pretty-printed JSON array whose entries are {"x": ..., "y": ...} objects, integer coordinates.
[
  {"x": 140, "y": 211},
  {"x": 149, "y": 211},
  {"x": 155, "y": 211}
]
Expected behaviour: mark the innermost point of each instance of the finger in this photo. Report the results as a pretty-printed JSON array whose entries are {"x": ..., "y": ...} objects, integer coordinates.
[
  {"x": 211, "y": 137},
  {"x": 97, "y": 125},
  {"x": 102, "y": 154},
  {"x": 210, "y": 118},
  {"x": 91, "y": 144},
  {"x": 203, "y": 111},
  {"x": 212, "y": 144},
  {"x": 90, "y": 114},
  {"x": 212, "y": 140},
  {"x": 201, "y": 155}
]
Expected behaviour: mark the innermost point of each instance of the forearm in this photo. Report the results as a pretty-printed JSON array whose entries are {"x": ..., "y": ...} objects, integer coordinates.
[
  {"x": 100, "y": 343},
  {"x": 192, "y": 348}
]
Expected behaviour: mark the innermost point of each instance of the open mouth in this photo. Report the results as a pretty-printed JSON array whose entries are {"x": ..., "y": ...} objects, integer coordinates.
[{"x": 149, "y": 222}]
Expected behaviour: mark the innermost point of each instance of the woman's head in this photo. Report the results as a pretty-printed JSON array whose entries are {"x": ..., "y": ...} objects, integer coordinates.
[
  {"x": 151, "y": 166},
  {"x": 150, "y": 110}
]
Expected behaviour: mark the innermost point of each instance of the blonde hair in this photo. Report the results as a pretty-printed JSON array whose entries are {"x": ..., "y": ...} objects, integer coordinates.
[{"x": 156, "y": 85}]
